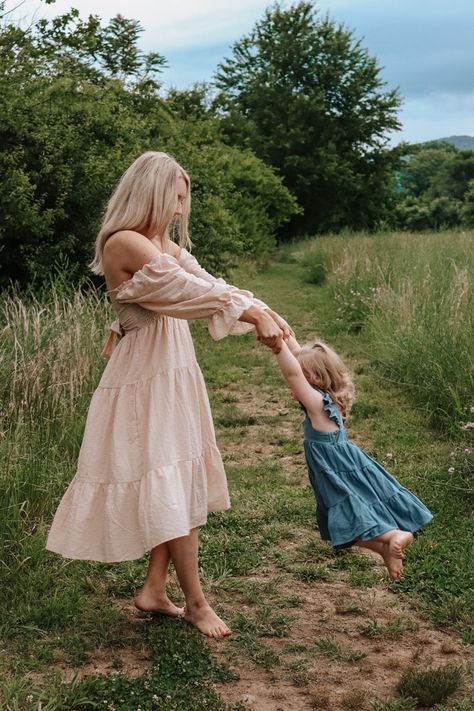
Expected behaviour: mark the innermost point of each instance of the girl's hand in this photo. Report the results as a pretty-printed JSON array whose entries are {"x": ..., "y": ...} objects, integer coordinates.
[{"x": 286, "y": 329}]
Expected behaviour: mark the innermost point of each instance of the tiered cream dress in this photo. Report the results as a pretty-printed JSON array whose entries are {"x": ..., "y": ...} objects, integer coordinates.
[{"x": 149, "y": 469}]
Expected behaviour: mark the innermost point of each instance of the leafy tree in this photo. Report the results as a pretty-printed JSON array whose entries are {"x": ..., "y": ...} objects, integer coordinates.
[
  {"x": 436, "y": 187},
  {"x": 78, "y": 103},
  {"x": 305, "y": 95}
]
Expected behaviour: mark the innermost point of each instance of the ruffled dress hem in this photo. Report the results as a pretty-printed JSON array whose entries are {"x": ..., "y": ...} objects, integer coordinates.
[
  {"x": 117, "y": 521},
  {"x": 352, "y": 519}
]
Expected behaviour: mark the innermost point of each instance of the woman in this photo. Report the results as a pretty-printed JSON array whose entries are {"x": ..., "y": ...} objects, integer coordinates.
[{"x": 149, "y": 469}]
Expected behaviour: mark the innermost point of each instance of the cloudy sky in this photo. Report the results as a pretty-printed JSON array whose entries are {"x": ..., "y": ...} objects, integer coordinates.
[{"x": 425, "y": 46}]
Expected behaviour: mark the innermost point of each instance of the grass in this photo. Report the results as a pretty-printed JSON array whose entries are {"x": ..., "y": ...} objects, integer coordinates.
[
  {"x": 337, "y": 652},
  {"x": 413, "y": 297},
  {"x": 430, "y": 686},
  {"x": 406, "y": 704},
  {"x": 264, "y": 553}
]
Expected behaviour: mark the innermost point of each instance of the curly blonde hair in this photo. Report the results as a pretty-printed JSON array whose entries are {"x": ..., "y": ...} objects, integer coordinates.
[{"x": 324, "y": 368}]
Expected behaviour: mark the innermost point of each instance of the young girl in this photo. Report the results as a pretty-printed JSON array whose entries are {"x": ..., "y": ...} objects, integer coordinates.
[{"x": 358, "y": 501}]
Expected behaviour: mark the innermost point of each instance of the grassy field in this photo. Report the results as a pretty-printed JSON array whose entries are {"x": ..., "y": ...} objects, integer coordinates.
[{"x": 325, "y": 629}]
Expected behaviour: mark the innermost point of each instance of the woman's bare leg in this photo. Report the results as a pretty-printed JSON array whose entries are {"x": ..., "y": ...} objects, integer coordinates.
[
  {"x": 152, "y": 596},
  {"x": 184, "y": 553}
]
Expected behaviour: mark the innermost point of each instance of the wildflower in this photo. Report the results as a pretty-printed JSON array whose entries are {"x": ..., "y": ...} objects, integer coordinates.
[
  {"x": 451, "y": 470},
  {"x": 389, "y": 455},
  {"x": 452, "y": 454},
  {"x": 467, "y": 450},
  {"x": 29, "y": 699},
  {"x": 468, "y": 426}
]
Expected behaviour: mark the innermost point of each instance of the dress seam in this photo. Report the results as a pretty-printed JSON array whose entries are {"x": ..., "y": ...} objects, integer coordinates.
[
  {"x": 212, "y": 447},
  {"x": 147, "y": 380}
]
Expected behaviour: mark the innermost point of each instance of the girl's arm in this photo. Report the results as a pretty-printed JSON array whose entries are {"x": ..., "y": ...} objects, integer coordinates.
[{"x": 295, "y": 377}]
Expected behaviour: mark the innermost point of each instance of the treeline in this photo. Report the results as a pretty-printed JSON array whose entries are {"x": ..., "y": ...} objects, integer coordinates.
[
  {"x": 436, "y": 188},
  {"x": 290, "y": 139}
]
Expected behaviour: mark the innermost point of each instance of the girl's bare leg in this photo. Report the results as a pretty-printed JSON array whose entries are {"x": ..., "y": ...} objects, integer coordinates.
[
  {"x": 390, "y": 546},
  {"x": 184, "y": 552},
  {"x": 152, "y": 596}
]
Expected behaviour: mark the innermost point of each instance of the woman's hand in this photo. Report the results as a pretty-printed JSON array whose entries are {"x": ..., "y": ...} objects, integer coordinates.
[
  {"x": 286, "y": 329},
  {"x": 269, "y": 332}
]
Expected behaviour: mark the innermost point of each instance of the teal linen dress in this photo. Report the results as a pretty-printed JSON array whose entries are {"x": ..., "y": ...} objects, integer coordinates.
[{"x": 356, "y": 498}]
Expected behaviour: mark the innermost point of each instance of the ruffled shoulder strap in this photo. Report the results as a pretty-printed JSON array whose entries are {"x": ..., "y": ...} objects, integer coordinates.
[{"x": 330, "y": 407}]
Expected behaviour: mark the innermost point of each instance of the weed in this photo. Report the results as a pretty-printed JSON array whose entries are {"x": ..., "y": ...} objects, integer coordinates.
[
  {"x": 354, "y": 699},
  {"x": 406, "y": 704},
  {"x": 393, "y": 629},
  {"x": 310, "y": 573},
  {"x": 337, "y": 652},
  {"x": 430, "y": 686}
]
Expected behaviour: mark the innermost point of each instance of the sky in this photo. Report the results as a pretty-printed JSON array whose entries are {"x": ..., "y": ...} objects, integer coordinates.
[{"x": 425, "y": 47}]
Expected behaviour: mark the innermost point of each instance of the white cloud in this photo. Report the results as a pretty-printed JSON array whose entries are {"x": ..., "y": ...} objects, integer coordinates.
[
  {"x": 169, "y": 25},
  {"x": 437, "y": 115}
]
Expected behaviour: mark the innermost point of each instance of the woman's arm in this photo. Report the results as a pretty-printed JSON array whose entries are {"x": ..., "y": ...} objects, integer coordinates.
[{"x": 190, "y": 263}]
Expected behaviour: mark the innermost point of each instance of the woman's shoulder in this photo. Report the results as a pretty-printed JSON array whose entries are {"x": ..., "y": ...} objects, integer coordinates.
[{"x": 125, "y": 241}]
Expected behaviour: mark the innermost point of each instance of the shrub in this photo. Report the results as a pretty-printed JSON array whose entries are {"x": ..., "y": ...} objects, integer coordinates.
[{"x": 431, "y": 686}]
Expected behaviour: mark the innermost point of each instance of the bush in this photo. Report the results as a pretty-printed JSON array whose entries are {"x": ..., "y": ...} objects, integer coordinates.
[
  {"x": 431, "y": 686},
  {"x": 316, "y": 266}
]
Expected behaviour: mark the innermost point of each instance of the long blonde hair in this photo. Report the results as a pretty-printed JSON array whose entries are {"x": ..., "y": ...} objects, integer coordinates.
[
  {"x": 145, "y": 200},
  {"x": 324, "y": 368}
]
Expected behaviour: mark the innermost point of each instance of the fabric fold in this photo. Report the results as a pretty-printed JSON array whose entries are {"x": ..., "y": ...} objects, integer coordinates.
[{"x": 164, "y": 286}]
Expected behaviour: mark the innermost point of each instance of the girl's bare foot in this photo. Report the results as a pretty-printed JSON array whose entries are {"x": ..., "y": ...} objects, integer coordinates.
[
  {"x": 398, "y": 541},
  {"x": 205, "y": 619},
  {"x": 393, "y": 552},
  {"x": 148, "y": 602}
]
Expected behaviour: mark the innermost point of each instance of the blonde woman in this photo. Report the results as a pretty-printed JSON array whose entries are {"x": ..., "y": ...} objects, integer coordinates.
[
  {"x": 357, "y": 501},
  {"x": 149, "y": 470}
]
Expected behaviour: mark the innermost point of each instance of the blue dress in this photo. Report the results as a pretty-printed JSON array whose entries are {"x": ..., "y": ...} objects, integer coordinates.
[{"x": 356, "y": 497}]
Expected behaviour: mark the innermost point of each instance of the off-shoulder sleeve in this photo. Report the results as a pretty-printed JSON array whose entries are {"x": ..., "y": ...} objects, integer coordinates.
[
  {"x": 164, "y": 286},
  {"x": 191, "y": 265}
]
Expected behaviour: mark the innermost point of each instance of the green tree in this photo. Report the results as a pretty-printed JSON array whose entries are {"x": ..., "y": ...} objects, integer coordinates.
[
  {"x": 435, "y": 187},
  {"x": 89, "y": 104},
  {"x": 305, "y": 95}
]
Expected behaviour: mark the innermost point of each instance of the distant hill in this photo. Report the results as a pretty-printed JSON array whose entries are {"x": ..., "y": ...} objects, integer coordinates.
[{"x": 463, "y": 143}]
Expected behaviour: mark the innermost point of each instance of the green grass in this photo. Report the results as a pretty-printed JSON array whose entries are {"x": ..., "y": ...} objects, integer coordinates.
[
  {"x": 430, "y": 686},
  {"x": 262, "y": 553},
  {"x": 337, "y": 652}
]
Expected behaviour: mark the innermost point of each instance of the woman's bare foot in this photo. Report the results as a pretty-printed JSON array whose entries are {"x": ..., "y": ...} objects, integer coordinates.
[
  {"x": 205, "y": 619},
  {"x": 393, "y": 552},
  {"x": 160, "y": 603}
]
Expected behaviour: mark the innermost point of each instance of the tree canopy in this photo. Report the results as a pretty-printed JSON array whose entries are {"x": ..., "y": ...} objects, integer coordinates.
[
  {"x": 78, "y": 103},
  {"x": 308, "y": 98}
]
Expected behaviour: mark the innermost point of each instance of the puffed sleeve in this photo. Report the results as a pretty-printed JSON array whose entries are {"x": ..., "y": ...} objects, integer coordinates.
[
  {"x": 164, "y": 286},
  {"x": 191, "y": 265}
]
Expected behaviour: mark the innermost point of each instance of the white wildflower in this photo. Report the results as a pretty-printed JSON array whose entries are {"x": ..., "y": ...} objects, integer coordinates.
[{"x": 451, "y": 470}]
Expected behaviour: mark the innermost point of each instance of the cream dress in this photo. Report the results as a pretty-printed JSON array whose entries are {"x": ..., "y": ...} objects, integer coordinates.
[{"x": 149, "y": 469}]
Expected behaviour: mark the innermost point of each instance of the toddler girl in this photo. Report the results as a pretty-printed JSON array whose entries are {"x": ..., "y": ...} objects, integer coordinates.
[{"x": 358, "y": 501}]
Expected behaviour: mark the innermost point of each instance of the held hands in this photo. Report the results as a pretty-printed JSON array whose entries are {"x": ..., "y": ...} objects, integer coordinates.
[
  {"x": 286, "y": 329},
  {"x": 272, "y": 330}
]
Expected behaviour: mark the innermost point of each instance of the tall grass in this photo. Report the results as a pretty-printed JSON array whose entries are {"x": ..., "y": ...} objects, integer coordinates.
[
  {"x": 413, "y": 295},
  {"x": 49, "y": 364}
]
